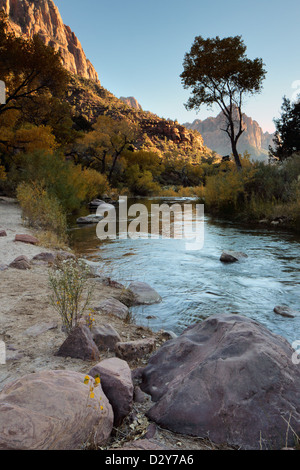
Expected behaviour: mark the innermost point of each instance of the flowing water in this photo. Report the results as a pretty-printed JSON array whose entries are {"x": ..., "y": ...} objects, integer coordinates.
[{"x": 195, "y": 284}]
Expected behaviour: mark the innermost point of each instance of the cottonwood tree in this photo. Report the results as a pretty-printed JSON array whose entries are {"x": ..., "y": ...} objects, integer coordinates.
[{"x": 218, "y": 72}]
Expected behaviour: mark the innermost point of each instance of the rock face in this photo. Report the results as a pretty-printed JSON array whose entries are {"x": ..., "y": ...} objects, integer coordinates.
[
  {"x": 30, "y": 17},
  {"x": 253, "y": 140},
  {"x": 227, "y": 377},
  {"x": 48, "y": 411},
  {"x": 115, "y": 376},
  {"x": 131, "y": 101}
]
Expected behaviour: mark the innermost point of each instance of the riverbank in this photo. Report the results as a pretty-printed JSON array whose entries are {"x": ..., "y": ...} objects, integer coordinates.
[{"x": 32, "y": 333}]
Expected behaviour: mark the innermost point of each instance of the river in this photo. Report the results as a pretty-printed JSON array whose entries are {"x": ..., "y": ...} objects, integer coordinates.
[{"x": 195, "y": 284}]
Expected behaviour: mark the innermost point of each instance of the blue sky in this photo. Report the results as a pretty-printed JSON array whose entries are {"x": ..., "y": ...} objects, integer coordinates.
[{"x": 138, "y": 47}]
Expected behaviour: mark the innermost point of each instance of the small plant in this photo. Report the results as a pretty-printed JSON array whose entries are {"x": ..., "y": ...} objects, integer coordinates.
[
  {"x": 71, "y": 293},
  {"x": 93, "y": 384},
  {"x": 90, "y": 320}
]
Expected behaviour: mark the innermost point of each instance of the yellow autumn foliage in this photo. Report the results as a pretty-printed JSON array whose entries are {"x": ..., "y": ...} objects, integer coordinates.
[{"x": 226, "y": 189}]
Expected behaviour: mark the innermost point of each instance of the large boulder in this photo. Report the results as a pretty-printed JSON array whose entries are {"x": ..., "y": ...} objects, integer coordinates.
[
  {"x": 143, "y": 293},
  {"x": 228, "y": 378},
  {"x": 115, "y": 376},
  {"x": 52, "y": 410}
]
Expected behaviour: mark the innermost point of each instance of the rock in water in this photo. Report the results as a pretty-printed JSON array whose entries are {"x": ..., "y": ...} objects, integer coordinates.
[
  {"x": 50, "y": 410},
  {"x": 285, "y": 311},
  {"x": 228, "y": 378},
  {"x": 232, "y": 256}
]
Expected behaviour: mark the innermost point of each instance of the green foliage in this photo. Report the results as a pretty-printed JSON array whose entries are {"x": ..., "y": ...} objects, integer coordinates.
[
  {"x": 287, "y": 135},
  {"x": 69, "y": 183},
  {"x": 257, "y": 192}
]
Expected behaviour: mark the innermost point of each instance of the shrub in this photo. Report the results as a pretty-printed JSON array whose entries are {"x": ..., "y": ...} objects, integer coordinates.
[
  {"x": 70, "y": 291},
  {"x": 225, "y": 191},
  {"x": 62, "y": 179},
  {"x": 41, "y": 210}
]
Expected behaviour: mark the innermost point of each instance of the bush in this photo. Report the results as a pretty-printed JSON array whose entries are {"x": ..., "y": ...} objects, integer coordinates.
[
  {"x": 62, "y": 179},
  {"x": 225, "y": 192},
  {"x": 70, "y": 291},
  {"x": 41, "y": 210}
]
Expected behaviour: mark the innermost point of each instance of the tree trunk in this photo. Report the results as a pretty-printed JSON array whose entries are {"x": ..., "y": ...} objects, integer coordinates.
[{"x": 236, "y": 155}]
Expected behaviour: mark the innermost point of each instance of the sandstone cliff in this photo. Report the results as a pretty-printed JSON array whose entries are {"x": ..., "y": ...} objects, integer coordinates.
[
  {"x": 131, "y": 101},
  {"x": 29, "y": 17},
  {"x": 253, "y": 140}
]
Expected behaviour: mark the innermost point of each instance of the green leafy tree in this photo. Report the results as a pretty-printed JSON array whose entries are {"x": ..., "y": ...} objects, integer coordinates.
[
  {"x": 287, "y": 135},
  {"x": 218, "y": 72}
]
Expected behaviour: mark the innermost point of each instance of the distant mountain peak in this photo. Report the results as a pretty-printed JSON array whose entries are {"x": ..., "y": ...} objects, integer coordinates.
[
  {"x": 131, "y": 101},
  {"x": 253, "y": 140},
  {"x": 42, "y": 17}
]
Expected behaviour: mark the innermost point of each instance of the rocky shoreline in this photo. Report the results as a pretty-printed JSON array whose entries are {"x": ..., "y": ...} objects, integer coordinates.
[{"x": 141, "y": 402}]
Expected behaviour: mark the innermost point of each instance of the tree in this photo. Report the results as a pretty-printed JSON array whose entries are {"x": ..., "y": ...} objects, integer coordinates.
[
  {"x": 287, "y": 135},
  {"x": 107, "y": 141},
  {"x": 29, "y": 68},
  {"x": 218, "y": 72}
]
